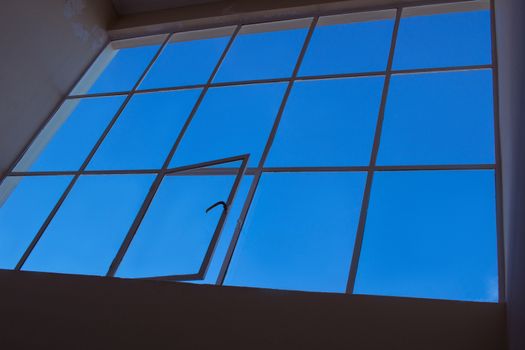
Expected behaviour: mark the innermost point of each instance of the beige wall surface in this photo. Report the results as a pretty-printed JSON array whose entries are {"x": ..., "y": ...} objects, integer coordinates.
[{"x": 44, "y": 46}]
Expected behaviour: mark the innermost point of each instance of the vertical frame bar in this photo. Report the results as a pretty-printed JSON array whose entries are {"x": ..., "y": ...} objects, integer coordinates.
[
  {"x": 497, "y": 152},
  {"x": 259, "y": 171},
  {"x": 213, "y": 244},
  {"x": 373, "y": 157}
]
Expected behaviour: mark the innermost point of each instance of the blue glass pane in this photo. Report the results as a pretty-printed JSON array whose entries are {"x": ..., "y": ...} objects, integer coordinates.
[
  {"x": 292, "y": 239},
  {"x": 431, "y": 235},
  {"x": 176, "y": 231},
  {"x": 231, "y": 121},
  {"x": 91, "y": 224},
  {"x": 146, "y": 130},
  {"x": 262, "y": 55},
  {"x": 439, "y": 118},
  {"x": 67, "y": 140},
  {"x": 185, "y": 63},
  {"x": 452, "y": 39},
  {"x": 348, "y": 48},
  {"x": 328, "y": 122},
  {"x": 24, "y": 205},
  {"x": 125, "y": 69}
]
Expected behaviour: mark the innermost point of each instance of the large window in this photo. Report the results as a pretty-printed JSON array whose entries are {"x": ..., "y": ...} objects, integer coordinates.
[{"x": 350, "y": 153}]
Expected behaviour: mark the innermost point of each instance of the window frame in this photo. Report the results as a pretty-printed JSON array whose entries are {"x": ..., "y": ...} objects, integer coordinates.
[{"x": 260, "y": 169}]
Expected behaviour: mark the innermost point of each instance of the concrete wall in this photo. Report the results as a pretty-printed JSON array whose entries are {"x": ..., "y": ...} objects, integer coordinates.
[
  {"x": 510, "y": 27},
  {"x": 45, "y": 45},
  {"x": 46, "y": 311}
]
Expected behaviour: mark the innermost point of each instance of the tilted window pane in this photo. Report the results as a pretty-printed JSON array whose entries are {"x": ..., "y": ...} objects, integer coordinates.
[
  {"x": 231, "y": 121},
  {"x": 293, "y": 239},
  {"x": 439, "y": 118},
  {"x": 229, "y": 228},
  {"x": 188, "y": 59},
  {"x": 328, "y": 122},
  {"x": 176, "y": 231},
  {"x": 264, "y": 51},
  {"x": 431, "y": 235},
  {"x": 91, "y": 224},
  {"x": 429, "y": 37},
  {"x": 119, "y": 66},
  {"x": 25, "y": 203},
  {"x": 70, "y": 135},
  {"x": 350, "y": 43},
  {"x": 145, "y": 131}
]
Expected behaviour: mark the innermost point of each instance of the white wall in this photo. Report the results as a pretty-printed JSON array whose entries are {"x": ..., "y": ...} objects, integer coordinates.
[{"x": 44, "y": 45}]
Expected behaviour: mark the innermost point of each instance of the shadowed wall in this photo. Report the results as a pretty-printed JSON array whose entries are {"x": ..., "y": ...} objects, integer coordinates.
[{"x": 81, "y": 312}]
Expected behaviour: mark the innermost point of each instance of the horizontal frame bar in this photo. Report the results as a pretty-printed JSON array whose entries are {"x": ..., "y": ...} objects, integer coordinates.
[
  {"x": 193, "y": 170},
  {"x": 299, "y": 78},
  {"x": 185, "y": 168}
]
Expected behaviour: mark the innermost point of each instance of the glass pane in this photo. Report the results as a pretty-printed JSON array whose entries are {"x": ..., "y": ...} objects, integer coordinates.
[
  {"x": 263, "y": 51},
  {"x": 176, "y": 231},
  {"x": 25, "y": 203},
  {"x": 431, "y": 235},
  {"x": 119, "y": 66},
  {"x": 231, "y": 121},
  {"x": 71, "y": 134},
  {"x": 145, "y": 131},
  {"x": 349, "y": 43},
  {"x": 293, "y": 239},
  {"x": 91, "y": 224},
  {"x": 429, "y": 37},
  {"x": 328, "y": 122},
  {"x": 188, "y": 59},
  {"x": 439, "y": 118}
]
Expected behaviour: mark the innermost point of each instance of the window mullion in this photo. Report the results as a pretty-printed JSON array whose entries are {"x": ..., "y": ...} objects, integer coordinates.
[
  {"x": 373, "y": 157},
  {"x": 258, "y": 172}
]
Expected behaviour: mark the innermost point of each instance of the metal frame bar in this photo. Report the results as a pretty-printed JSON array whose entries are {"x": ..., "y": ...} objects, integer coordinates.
[
  {"x": 252, "y": 171},
  {"x": 373, "y": 157},
  {"x": 260, "y": 169},
  {"x": 200, "y": 275},
  {"x": 264, "y": 155},
  {"x": 186, "y": 168},
  {"x": 497, "y": 149},
  {"x": 287, "y": 80}
]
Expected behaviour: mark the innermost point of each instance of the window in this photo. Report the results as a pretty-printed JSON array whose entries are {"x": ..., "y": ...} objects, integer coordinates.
[{"x": 349, "y": 153}]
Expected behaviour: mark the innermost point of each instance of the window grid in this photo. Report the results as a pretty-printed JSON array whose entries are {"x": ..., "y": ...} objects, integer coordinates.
[{"x": 260, "y": 169}]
